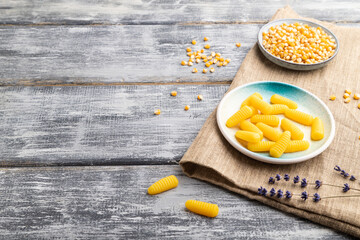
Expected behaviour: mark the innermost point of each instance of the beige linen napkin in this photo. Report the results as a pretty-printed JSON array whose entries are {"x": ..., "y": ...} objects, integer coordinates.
[{"x": 211, "y": 158}]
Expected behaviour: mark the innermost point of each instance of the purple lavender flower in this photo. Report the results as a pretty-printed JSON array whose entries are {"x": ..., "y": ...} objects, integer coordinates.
[
  {"x": 264, "y": 192},
  {"x": 318, "y": 184},
  {"x": 346, "y": 187},
  {"x": 304, "y": 195},
  {"x": 280, "y": 193},
  {"x": 272, "y": 192},
  {"x": 352, "y": 178},
  {"x": 296, "y": 179},
  {"x": 286, "y": 177},
  {"x": 337, "y": 168},
  {"x": 288, "y": 194},
  {"x": 271, "y": 180},
  {"x": 316, "y": 197},
  {"x": 278, "y": 177},
  {"x": 345, "y": 174},
  {"x": 303, "y": 182},
  {"x": 260, "y": 190}
]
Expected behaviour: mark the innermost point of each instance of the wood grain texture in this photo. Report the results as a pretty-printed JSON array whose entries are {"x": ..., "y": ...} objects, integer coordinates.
[
  {"x": 101, "y": 124},
  {"x": 168, "y": 12},
  {"x": 111, "y": 203}
]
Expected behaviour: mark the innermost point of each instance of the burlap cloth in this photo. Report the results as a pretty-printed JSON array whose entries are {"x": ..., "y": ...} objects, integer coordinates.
[{"x": 211, "y": 158}]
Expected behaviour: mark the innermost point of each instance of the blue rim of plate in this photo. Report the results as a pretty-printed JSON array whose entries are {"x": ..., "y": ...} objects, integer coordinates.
[{"x": 268, "y": 159}]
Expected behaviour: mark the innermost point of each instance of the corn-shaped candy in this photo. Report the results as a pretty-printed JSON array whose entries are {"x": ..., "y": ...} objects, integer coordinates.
[
  {"x": 278, "y": 109},
  {"x": 247, "y": 136},
  {"x": 300, "y": 117},
  {"x": 254, "y": 110},
  {"x": 280, "y": 146},
  {"x": 263, "y": 146},
  {"x": 202, "y": 208},
  {"x": 163, "y": 185},
  {"x": 317, "y": 129},
  {"x": 247, "y": 101},
  {"x": 271, "y": 120},
  {"x": 297, "y": 146},
  {"x": 248, "y": 126},
  {"x": 296, "y": 133},
  {"x": 277, "y": 99},
  {"x": 269, "y": 132},
  {"x": 263, "y": 106},
  {"x": 244, "y": 113}
]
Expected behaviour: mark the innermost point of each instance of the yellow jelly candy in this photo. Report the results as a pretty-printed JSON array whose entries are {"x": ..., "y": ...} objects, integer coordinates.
[
  {"x": 163, "y": 185},
  {"x": 300, "y": 117},
  {"x": 263, "y": 146},
  {"x": 247, "y": 136},
  {"x": 296, "y": 133},
  {"x": 248, "y": 126},
  {"x": 269, "y": 132},
  {"x": 277, "y": 99},
  {"x": 317, "y": 129},
  {"x": 271, "y": 120},
  {"x": 263, "y": 106},
  {"x": 280, "y": 146},
  {"x": 202, "y": 208},
  {"x": 244, "y": 113},
  {"x": 247, "y": 101},
  {"x": 297, "y": 146},
  {"x": 278, "y": 109}
]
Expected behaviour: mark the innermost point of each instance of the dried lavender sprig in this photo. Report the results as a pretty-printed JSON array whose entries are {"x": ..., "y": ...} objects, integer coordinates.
[
  {"x": 318, "y": 184},
  {"x": 272, "y": 192},
  {"x": 288, "y": 194},
  {"x": 278, "y": 177},
  {"x": 303, "y": 182},
  {"x": 346, "y": 187},
  {"x": 271, "y": 180},
  {"x": 337, "y": 168},
  {"x": 280, "y": 193},
  {"x": 345, "y": 174},
  {"x": 316, "y": 197},
  {"x": 296, "y": 179},
  {"x": 304, "y": 195},
  {"x": 352, "y": 178},
  {"x": 286, "y": 177}
]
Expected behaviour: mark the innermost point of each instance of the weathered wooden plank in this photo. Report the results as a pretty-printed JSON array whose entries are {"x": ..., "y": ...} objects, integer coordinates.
[
  {"x": 168, "y": 12},
  {"x": 111, "y": 203},
  {"x": 89, "y": 125},
  {"x": 115, "y": 54}
]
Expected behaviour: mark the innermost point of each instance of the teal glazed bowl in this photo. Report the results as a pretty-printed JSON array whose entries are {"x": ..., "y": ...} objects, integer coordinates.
[{"x": 307, "y": 102}]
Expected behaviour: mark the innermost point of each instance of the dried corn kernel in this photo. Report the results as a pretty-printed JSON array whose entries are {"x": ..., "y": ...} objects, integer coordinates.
[
  {"x": 189, "y": 54},
  {"x": 157, "y": 112},
  {"x": 205, "y": 60},
  {"x": 212, "y": 70},
  {"x": 213, "y": 54},
  {"x": 215, "y": 60},
  {"x": 278, "y": 109},
  {"x": 183, "y": 63},
  {"x": 208, "y": 64},
  {"x": 202, "y": 208},
  {"x": 163, "y": 185},
  {"x": 209, "y": 57},
  {"x": 247, "y": 100},
  {"x": 190, "y": 63},
  {"x": 173, "y": 93},
  {"x": 263, "y": 146},
  {"x": 228, "y": 60},
  {"x": 299, "y": 117},
  {"x": 269, "y": 132},
  {"x": 221, "y": 59},
  {"x": 219, "y": 64},
  {"x": 271, "y": 120},
  {"x": 347, "y": 100},
  {"x": 356, "y": 96},
  {"x": 206, "y": 39},
  {"x": 348, "y": 91},
  {"x": 296, "y": 133},
  {"x": 195, "y": 70},
  {"x": 188, "y": 49},
  {"x": 346, "y": 95},
  {"x": 244, "y": 113},
  {"x": 277, "y": 99},
  {"x": 247, "y": 136},
  {"x": 191, "y": 60},
  {"x": 248, "y": 126},
  {"x": 218, "y": 54},
  {"x": 187, "y": 107},
  {"x": 193, "y": 42},
  {"x": 317, "y": 129},
  {"x": 224, "y": 64},
  {"x": 197, "y": 60},
  {"x": 297, "y": 146},
  {"x": 200, "y": 97},
  {"x": 207, "y": 46},
  {"x": 202, "y": 50},
  {"x": 204, "y": 70},
  {"x": 280, "y": 146},
  {"x": 238, "y": 44},
  {"x": 359, "y": 106},
  {"x": 260, "y": 104},
  {"x": 332, "y": 97}
]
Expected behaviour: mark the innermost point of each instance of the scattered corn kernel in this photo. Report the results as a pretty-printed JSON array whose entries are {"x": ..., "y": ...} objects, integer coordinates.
[
  {"x": 163, "y": 185},
  {"x": 157, "y": 112},
  {"x": 188, "y": 49},
  {"x": 207, "y": 46},
  {"x": 215, "y": 60},
  {"x": 173, "y": 93},
  {"x": 227, "y": 60},
  {"x": 208, "y": 64},
  {"x": 197, "y": 60},
  {"x": 202, "y": 208},
  {"x": 347, "y": 100},
  {"x": 212, "y": 70},
  {"x": 225, "y": 63},
  {"x": 218, "y": 54},
  {"x": 202, "y": 50},
  {"x": 221, "y": 59},
  {"x": 205, "y": 60},
  {"x": 238, "y": 44},
  {"x": 193, "y": 42},
  {"x": 346, "y": 95},
  {"x": 195, "y": 70},
  {"x": 206, "y": 39},
  {"x": 204, "y": 70},
  {"x": 189, "y": 54},
  {"x": 209, "y": 57},
  {"x": 356, "y": 96},
  {"x": 348, "y": 91},
  {"x": 191, "y": 60},
  {"x": 219, "y": 64},
  {"x": 183, "y": 63},
  {"x": 190, "y": 63},
  {"x": 213, "y": 54},
  {"x": 187, "y": 107},
  {"x": 359, "y": 106},
  {"x": 332, "y": 97},
  {"x": 200, "y": 97}
]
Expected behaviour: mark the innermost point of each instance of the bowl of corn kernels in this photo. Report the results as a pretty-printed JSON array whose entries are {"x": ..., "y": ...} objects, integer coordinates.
[{"x": 297, "y": 44}]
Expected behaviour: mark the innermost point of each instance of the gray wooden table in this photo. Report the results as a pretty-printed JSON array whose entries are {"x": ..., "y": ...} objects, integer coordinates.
[{"x": 80, "y": 145}]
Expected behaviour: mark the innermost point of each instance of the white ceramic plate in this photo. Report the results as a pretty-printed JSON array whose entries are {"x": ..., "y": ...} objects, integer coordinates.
[{"x": 307, "y": 102}]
